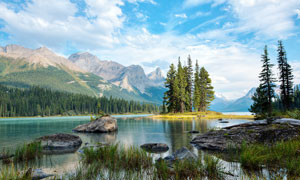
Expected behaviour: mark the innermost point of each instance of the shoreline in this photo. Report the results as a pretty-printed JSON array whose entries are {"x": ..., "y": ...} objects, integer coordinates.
[
  {"x": 80, "y": 115},
  {"x": 200, "y": 115}
]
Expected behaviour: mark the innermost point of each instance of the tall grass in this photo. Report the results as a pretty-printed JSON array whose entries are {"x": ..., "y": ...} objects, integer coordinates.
[
  {"x": 285, "y": 154},
  {"x": 118, "y": 162},
  {"x": 28, "y": 152},
  {"x": 10, "y": 173}
]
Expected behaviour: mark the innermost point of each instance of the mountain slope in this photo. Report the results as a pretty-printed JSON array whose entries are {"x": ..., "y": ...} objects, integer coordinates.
[
  {"x": 23, "y": 67},
  {"x": 131, "y": 78},
  {"x": 239, "y": 105}
]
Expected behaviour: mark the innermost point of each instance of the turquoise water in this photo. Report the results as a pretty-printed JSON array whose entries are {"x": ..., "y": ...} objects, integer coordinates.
[{"x": 133, "y": 130}]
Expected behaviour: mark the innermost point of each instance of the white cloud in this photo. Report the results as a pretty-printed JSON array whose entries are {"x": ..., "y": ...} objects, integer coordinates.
[
  {"x": 139, "y": 1},
  {"x": 181, "y": 16},
  {"x": 298, "y": 13},
  {"x": 142, "y": 17},
  {"x": 48, "y": 23},
  {"x": 271, "y": 18}
]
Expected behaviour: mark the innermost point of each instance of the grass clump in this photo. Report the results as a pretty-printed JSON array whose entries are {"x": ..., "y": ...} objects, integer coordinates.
[
  {"x": 284, "y": 154},
  {"x": 28, "y": 152},
  {"x": 118, "y": 162},
  {"x": 10, "y": 173}
]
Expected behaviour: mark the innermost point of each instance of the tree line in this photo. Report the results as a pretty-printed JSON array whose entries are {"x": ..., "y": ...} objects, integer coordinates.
[
  {"x": 37, "y": 101},
  {"x": 265, "y": 99},
  {"x": 187, "y": 90}
]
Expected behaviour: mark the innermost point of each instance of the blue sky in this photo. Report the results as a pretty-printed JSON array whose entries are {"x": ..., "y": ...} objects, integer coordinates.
[{"x": 226, "y": 36}]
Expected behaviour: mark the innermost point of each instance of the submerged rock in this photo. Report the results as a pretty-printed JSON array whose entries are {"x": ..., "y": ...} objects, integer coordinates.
[
  {"x": 155, "y": 147},
  {"x": 5, "y": 156},
  {"x": 180, "y": 154},
  {"x": 223, "y": 121},
  {"x": 37, "y": 174},
  {"x": 60, "y": 143},
  {"x": 102, "y": 125},
  {"x": 194, "y": 132},
  {"x": 251, "y": 132}
]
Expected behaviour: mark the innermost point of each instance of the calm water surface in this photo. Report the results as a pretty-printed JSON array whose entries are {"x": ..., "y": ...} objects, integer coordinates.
[{"x": 133, "y": 130}]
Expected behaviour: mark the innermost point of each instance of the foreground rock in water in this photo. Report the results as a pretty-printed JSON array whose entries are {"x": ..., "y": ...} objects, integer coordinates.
[
  {"x": 251, "y": 132},
  {"x": 155, "y": 147},
  {"x": 102, "y": 125},
  {"x": 181, "y": 154},
  {"x": 60, "y": 143}
]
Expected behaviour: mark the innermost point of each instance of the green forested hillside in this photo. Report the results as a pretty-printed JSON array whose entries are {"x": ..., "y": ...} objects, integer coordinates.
[
  {"x": 18, "y": 73},
  {"x": 45, "y": 102}
]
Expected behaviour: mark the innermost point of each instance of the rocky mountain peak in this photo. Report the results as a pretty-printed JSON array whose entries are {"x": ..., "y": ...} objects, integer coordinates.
[
  {"x": 156, "y": 74},
  {"x": 83, "y": 55},
  {"x": 16, "y": 49}
]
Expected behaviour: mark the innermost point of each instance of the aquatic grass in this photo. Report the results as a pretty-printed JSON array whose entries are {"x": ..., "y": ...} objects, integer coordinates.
[
  {"x": 119, "y": 162},
  {"x": 213, "y": 168},
  {"x": 11, "y": 173},
  {"x": 28, "y": 152},
  {"x": 284, "y": 154}
]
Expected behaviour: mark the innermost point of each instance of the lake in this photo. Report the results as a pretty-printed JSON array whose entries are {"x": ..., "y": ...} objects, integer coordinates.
[{"x": 133, "y": 130}]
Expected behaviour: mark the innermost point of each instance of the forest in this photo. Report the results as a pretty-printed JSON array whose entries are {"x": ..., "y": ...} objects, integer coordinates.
[{"x": 37, "y": 101}]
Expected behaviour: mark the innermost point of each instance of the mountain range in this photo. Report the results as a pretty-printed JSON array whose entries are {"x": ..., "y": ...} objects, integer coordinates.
[
  {"x": 80, "y": 73},
  {"x": 221, "y": 104}
]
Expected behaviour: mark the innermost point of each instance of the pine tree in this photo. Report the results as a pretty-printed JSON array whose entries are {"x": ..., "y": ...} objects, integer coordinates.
[
  {"x": 267, "y": 81},
  {"x": 172, "y": 86},
  {"x": 189, "y": 87},
  {"x": 182, "y": 83},
  {"x": 285, "y": 77},
  {"x": 196, "y": 97},
  {"x": 206, "y": 90},
  {"x": 260, "y": 102}
]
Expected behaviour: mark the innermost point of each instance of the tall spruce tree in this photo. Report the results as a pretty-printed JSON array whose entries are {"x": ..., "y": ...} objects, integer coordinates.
[
  {"x": 260, "y": 102},
  {"x": 196, "y": 97},
  {"x": 285, "y": 77},
  {"x": 267, "y": 81},
  {"x": 189, "y": 87},
  {"x": 206, "y": 90},
  {"x": 172, "y": 92},
  {"x": 182, "y": 83}
]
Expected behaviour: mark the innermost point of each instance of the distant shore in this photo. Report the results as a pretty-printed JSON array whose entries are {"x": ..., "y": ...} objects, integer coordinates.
[
  {"x": 200, "y": 115},
  {"x": 89, "y": 115}
]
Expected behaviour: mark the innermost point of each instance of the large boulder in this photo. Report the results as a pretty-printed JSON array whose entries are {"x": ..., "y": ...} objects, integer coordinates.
[
  {"x": 60, "y": 143},
  {"x": 251, "y": 132},
  {"x": 102, "y": 125},
  {"x": 155, "y": 147}
]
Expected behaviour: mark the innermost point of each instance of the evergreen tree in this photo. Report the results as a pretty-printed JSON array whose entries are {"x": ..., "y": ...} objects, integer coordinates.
[
  {"x": 260, "y": 102},
  {"x": 206, "y": 90},
  {"x": 189, "y": 87},
  {"x": 172, "y": 86},
  {"x": 267, "y": 81},
  {"x": 285, "y": 77},
  {"x": 182, "y": 83},
  {"x": 196, "y": 97}
]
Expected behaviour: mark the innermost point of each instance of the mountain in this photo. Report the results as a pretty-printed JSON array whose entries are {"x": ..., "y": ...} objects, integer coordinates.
[
  {"x": 242, "y": 104},
  {"x": 23, "y": 67},
  {"x": 131, "y": 78},
  {"x": 157, "y": 77}
]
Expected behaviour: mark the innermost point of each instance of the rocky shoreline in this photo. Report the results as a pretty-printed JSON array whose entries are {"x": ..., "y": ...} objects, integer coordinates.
[{"x": 251, "y": 132}]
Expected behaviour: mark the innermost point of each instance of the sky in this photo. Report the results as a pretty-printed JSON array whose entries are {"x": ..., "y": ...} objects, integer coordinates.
[{"x": 227, "y": 37}]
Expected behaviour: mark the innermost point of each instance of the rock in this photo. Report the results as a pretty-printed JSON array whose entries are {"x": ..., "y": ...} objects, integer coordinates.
[
  {"x": 194, "y": 132},
  {"x": 5, "y": 156},
  {"x": 184, "y": 153},
  {"x": 224, "y": 122},
  {"x": 39, "y": 174},
  {"x": 181, "y": 154},
  {"x": 251, "y": 132},
  {"x": 155, "y": 147},
  {"x": 60, "y": 143},
  {"x": 94, "y": 146},
  {"x": 102, "y": 125}
]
